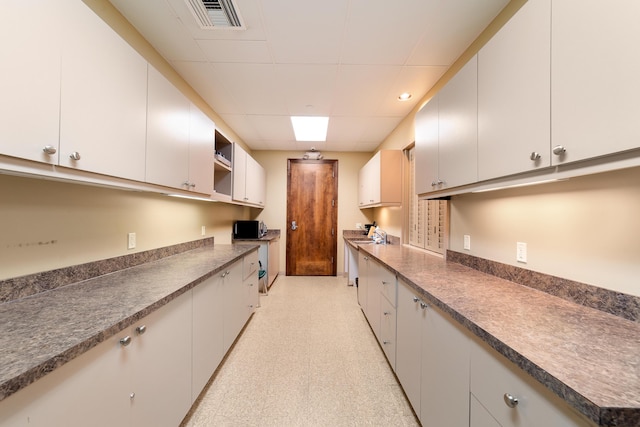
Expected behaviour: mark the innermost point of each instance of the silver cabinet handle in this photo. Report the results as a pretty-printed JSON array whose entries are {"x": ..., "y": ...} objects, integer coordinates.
[
  {"x": 141, "y": 329},
  {"x": 534, "y": 156},
  {"x": 125, "y": 341},
  {"x": 416, "y": 299},
  {"x": 49, "y": 149},
  {"x": 132, "y": 395},
  {"x": 75, "y": 156},
  {"x": 386, "y": 342},
  {"x": 559, "y": 150},
  {"x": 385, "y": 283},
  {"x": 423, "y": 305},
  {"x": 192, "y": 185},
  {"x": 510, "y": 400},
  {"x": 386, "y": 313}
]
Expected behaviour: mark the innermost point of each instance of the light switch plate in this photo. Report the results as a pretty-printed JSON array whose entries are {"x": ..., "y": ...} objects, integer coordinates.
[
  {"x": 203, "y": 231},
  {"x": 467, "y": 242},
  {"x": 521, "y": 252}
]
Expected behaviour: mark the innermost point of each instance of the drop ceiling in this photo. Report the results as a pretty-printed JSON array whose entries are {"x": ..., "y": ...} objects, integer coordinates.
[{"x": 346, "y": 59}]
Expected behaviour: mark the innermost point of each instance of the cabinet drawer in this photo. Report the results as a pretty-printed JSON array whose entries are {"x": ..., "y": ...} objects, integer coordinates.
[
  {"x": 250, "y": 264},
  {"x": 493, "y": 377},
  {"x": 388, "y": 331},
  {"x": 388, "y": 285}
]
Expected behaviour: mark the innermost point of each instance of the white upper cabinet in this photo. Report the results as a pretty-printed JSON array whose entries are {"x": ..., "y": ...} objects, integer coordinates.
[
  {"x": 426, "y": 152},
  {"x": 249, "y": 178},
  {"x": 458, "y": 128},
  {"x": 380, "y": 180},
  {"x": 167, "y": 133},
  {"x": 103, "y": 98},
  {"x": 201, "y": 151},
  {"x": 514, "y": 95},
  {"x": 594, "y": 80},
  {"x": 30, "y": 79},
  {"x": 446, "y": 132}
]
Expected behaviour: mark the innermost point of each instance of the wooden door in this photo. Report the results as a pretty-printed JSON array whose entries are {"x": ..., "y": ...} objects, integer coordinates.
[{"x": 312, "y": 217}]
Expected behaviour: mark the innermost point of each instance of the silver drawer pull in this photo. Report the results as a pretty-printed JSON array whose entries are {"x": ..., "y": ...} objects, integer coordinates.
[
  {"x": 416, "y": 299},
  {"x": 125, "y": 341},
  {"x": 141, "y": 329},
  {"x": 510, "y": 400},
  {"x": 423, "y": 305}
]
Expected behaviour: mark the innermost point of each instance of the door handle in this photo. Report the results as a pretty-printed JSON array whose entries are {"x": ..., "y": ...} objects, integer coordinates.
[{"x": 294, "y": 226}]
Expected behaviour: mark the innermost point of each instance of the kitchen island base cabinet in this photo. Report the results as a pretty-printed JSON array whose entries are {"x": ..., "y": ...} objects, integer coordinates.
[{"x": 146, "y": 382}]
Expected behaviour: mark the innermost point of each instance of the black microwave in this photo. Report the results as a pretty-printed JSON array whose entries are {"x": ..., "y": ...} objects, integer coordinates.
[{"x": 248, "y": 229}]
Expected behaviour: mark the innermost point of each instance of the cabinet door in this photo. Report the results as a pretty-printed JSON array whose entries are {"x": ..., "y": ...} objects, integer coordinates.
[
  {"x": 201, "y": 151},
  {"x": 363, "y": 186},
  {"x": 408, "y": 343},
  {"x": 208, "y": 350},
  {"x": 514, "y": 95},
  {"x": 373, "y": 297},
  {"x": 94, "y": 386},
  {"x": 444, "y": 388},
  {"x": 235, "y": 313},
  {"x": 162, "y": 365},
  {"x": 254, "y": 181},
  {"x": 594, "y": 78},
  {"x": 167, "y": 133},
  {"x": 373, "y": 179},
  {"x": 363, "y": 280},
  {"x": 103, "y": 99},
  {"x": 30, "y": 78},
  {"x": 388, "y": 331},
  {"x": 480, "y": 417},
  {"x": 426, "y": 151},
  {"x": 239, "y": 174},
  {"x": 458, "y": 128}
]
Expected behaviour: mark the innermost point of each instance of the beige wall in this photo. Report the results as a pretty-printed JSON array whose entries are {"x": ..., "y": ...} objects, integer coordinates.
[
  {"x": 49, "y": 224},
  {"x": 275, "y": 212}
]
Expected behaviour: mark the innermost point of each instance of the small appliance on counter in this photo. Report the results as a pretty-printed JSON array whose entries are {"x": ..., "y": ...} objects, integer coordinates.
[{"x": 246, "y": 229}]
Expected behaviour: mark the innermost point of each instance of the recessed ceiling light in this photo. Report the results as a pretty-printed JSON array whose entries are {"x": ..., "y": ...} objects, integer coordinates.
[
  {"x": 310, "y": 128},
  {"x": 404, "y": 96}
]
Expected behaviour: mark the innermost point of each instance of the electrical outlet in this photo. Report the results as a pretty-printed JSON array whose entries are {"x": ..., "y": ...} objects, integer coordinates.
[
  {"x": 131, "y": 241},
  {"x": 467, "y": 242},
  {"x": 358, "y": 225},
  {"x": 203, "y": 231},
  {"x": 521, "y": 252}
]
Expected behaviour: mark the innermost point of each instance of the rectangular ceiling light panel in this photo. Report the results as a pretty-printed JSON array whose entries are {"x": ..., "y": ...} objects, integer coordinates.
[
  {"x": 310, "y": 128},
  {"x": 210, "y": 14}
]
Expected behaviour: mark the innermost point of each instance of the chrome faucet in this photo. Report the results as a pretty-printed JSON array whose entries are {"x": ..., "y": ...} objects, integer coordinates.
[{"x": 382, "y": 235}]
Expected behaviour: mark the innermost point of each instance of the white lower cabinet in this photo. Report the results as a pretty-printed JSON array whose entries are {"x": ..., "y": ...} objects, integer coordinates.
[
  {"x": 432, "y": 361},
  {"x": 479, "y": 415},
  {"x": 497, "y": 383},
  {"x": 150, "y": 373},
  {"x": 388, "y": 330},
  {"x": 233, "y": 310},
  {"x": 208, "y": 345},
  {"x": 146, "y": 382}
]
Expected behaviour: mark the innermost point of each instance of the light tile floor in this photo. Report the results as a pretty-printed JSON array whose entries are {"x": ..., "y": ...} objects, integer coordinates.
[{"x": 306, "y": 358}]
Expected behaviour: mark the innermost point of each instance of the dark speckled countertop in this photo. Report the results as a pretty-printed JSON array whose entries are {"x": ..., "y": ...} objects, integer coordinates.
[
  {"x": 588, "y": 357},
  {"x": 44, "y": 331}
]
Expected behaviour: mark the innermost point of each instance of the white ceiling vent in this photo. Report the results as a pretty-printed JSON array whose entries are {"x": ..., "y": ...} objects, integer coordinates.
[{"x": 217, "y": 14}]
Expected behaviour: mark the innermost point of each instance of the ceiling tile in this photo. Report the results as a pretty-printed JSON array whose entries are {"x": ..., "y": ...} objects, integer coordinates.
[
  {"x": 200, "y": 75},
  {"x": 272, "y": 127},
  {"x": 304, "y": 32},
  {"x": 254, "y": 86},
  {"x": 307, "y": 89},
  {"x": 382, "y": 32},
  {"x": 360, "y": 89},
  {"x": 236, "y": 51}
]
